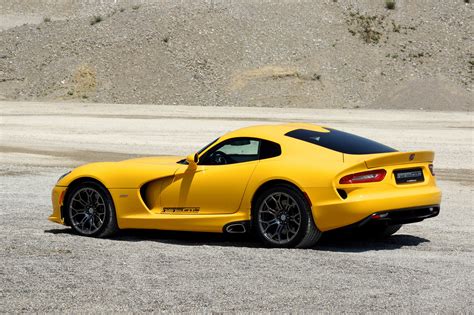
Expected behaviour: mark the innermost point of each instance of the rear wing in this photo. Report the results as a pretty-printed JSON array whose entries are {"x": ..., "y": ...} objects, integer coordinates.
[{"x": 397, "y": 158}]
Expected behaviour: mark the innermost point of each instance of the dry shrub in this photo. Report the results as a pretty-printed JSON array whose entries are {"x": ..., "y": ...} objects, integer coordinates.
[
  {"x": 368, "y": 27},
  {"x": 84, "y": 80},
  {"x": 390, "y": 4}
]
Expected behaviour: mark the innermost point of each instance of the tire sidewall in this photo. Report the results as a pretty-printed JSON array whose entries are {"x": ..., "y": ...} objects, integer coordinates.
[{"x": 305, "y": 215}]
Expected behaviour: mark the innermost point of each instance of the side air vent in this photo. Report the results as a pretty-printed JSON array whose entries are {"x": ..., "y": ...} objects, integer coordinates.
[
  {"x": 143, "y": 196},
  {"x": 342, "y": 193}
]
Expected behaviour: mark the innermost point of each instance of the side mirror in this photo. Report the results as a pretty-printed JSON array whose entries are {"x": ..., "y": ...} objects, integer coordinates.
[{"x": 192, "y": 160}]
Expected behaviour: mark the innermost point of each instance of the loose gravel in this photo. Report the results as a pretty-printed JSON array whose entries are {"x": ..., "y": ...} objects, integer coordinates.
[
  {"x": 426, "y": 267},
  {"x": 320, "y": 54}
]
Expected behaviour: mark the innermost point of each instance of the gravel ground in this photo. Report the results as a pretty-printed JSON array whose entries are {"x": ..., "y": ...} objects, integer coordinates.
[{"x": 425, "y": 267}]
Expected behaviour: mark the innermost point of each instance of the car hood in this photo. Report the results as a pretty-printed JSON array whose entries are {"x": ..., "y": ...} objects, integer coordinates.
[
  {"x": 155, "y": 160},
  {"x": 131, "y": 173}
]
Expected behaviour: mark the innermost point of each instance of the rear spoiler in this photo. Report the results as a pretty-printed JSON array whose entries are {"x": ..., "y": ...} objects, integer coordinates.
[{"x": 398, "y": 158}]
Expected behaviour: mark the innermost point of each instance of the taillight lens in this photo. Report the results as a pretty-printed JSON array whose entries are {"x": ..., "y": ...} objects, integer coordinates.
[
  {"x": 431, "y": 169},
  {"x": 364, "y": 177}
]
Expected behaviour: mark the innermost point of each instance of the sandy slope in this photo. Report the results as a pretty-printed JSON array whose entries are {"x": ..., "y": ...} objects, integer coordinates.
[{"x": 320, "y": 54}]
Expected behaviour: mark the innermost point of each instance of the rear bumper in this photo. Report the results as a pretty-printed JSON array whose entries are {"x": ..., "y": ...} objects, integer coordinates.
[
  {"x": 401, "y": 216},
  {"x": 330, "y": 211}
]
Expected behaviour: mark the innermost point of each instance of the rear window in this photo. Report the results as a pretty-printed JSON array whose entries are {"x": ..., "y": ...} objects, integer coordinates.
[
  {"x": 269, "y": 149},
  {"x": 340, "y": 141}
]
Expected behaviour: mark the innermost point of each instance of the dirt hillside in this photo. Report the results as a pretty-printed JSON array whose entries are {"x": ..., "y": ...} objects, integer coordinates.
[{"x": 322, "y": 54}]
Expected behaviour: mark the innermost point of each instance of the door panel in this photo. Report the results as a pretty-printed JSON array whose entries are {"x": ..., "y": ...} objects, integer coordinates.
[{"x": 213, "y": 189}]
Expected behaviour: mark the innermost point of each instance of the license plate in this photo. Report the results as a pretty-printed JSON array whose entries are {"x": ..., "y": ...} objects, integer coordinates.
[{"x": 414, "y": 175}]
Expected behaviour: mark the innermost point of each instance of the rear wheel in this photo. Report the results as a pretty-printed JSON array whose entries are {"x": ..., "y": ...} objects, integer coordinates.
[
  {"x": 282, "y": 217},
  {"x": 90, "y": 210}
]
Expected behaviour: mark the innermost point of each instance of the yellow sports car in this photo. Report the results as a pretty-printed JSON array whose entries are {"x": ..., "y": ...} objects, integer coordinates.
[{"x": 287, "y": 183}]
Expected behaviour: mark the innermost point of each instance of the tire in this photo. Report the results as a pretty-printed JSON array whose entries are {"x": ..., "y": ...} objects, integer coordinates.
[
  {"x": 90, "y": 210},
  {"x": 381, "y": 231},
  {"x": 281, "y": 217}
]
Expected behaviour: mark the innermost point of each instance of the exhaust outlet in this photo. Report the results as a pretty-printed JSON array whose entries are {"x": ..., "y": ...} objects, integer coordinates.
[{"x": 236, "y": 228}]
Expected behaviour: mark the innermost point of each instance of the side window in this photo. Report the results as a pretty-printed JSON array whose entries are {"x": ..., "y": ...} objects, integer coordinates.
[
  {"x": 269, "y": 149},
  {"x": 232, "y": 151}
]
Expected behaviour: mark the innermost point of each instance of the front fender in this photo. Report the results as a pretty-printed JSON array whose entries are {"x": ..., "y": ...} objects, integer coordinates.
[{"x": 115, "y": 175}]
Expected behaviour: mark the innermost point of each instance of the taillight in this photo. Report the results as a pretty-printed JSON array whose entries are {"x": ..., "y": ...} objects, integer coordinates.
[
  {"x": 364, "y": 177},
  {"x": 431, "y": 169}
]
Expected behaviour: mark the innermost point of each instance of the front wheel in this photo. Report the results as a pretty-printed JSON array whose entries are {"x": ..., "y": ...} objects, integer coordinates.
[
  {"x": 282, "y": 217},
  {"x": 90, "y": 210}
]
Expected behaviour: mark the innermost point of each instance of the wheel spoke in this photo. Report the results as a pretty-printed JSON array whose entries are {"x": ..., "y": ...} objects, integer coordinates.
[
  {"x": 274, "y": 220},
  {"x": 291, "y": 204},
  {"x": 277, "y": 203},
  {"x": 100, "y": 220},
  {"x": 78, "y": 210},
  {"x": 278, "y": 232},
  {"x": 292, "y": 231},
  {"x": 287, "y": 202},
  {"x": 76, "y": 214},
  {"x": 80, "y": 201},
  {"x": 269, "y": 209},
  {"x": 84, "y": 219},
  {"x": 101, "y": 211},
  {"x": 294, "y": 221},
  {"x": 89, "y": 194},
  {"x": 287, "y": 233},
  {"x": 279, "y": 218},
  {"x": 295, "y": 216},
  {"x": 272, "y": 223},
  {"x": 91, "y": 222},
  {"x": 87, "y": 210}
]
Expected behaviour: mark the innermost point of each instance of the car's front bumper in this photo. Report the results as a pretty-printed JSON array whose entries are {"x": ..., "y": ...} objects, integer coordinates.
[{"x": 57, "y": 198}]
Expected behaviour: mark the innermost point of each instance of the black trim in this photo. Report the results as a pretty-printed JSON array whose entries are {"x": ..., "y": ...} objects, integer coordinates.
[
  {"x": 63, "y": 215},
  {"x": 182, "y": 161},
  {"x": 143, "y": 195},
  {"x": 401, "y": 216},
  {"x": 207, "y": 146},
  {"x": 261, "y": 142}
]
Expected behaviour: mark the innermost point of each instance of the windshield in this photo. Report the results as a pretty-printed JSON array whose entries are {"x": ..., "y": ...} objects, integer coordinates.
[
  {"x": 340, "y": 141},
  {"x": 183, "y": 161},
  {"x": 207, "y": 146}
]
